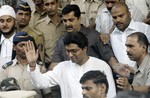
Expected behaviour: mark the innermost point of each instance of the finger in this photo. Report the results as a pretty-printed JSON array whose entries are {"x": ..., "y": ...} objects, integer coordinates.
[{"x": 119, "y": 86}]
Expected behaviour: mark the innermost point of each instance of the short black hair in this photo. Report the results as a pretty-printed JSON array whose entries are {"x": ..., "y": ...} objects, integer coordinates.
[
  {"x": 72, "y": 7},
  {"x": 76, "y": 38},
  {"x": 142, "y": 39},
  {"x": 97, "y": 76}
]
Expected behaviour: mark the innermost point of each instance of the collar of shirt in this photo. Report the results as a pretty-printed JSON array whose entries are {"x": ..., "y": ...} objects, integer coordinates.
[
  {"x": 48, "y": 20},
  {"x": 142, "y": 65},
  {"x": 15, "y": 62},
  {"x": 3, "y": 38}
]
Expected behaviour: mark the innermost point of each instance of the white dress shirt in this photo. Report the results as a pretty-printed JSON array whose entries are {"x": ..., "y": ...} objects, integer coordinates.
[
  {"x": 67, "y": 75},
  {"x": 142, "y": 5},
  {"x": 6, "y": 49},
  {"x": 118, "y": 40}
]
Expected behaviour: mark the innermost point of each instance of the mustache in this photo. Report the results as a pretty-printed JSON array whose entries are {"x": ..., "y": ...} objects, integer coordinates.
[
  {"x": 119, "y": 23},
  {"x": 69, "y": 27},
  {"x": 128, "y": 54}
]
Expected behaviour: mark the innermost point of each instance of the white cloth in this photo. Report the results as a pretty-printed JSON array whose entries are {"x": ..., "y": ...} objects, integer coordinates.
[
  {"x": 6, "y": 50},
  {"x": 67, "y": 75},
  {"x": 7, "y": 10},
  {"x": 104, "y": 21},
  {"x": 18, "y": 94},
  {"x": 118, "y": 40},
  {"x": 142, "y": 5}
]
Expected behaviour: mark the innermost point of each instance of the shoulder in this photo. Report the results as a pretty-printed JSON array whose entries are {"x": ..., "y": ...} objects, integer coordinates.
[
  {"x": 7, "y": 64},
  {"x": 89, "y": 31},
  {"x": 40, "y": 21},
  {"x": 34, "y": 30}
]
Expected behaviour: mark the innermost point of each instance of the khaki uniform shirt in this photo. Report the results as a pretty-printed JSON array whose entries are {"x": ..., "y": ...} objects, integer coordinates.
[
  {"x": 36, "y": 16},
  {"x": 88, "y": 10},
  {"x": 39, "y": 39},
  {"x": 20, "y": 73},
  {"x": 142, "y": 74},
  {"x": 51, "y": 34}
]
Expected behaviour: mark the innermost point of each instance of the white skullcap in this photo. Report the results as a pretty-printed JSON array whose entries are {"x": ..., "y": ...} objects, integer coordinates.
[{"x": 7, "y": 10}]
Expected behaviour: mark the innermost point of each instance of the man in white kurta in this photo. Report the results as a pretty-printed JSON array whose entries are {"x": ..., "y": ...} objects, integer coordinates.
[{"x": 68, "y": 73}]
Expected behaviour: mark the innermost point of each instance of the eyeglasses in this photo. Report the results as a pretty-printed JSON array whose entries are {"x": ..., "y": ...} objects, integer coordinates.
[
  {"x": 112, "y": 2},
  {"x": 73, "y": 51}
]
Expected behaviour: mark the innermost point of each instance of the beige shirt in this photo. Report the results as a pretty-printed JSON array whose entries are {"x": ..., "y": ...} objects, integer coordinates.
[
  {"x": 36, "y": 16},
  {"x": 88, "y": 10},
  {"x": 20, "y": 73},
  {"x": 142, "y": 74},
  {"x": 51, "y": 34}
]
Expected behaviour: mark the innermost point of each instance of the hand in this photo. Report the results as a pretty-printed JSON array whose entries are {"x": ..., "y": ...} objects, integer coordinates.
[
  {"x": 122, "y": 69},
  {"x": 31, "y": 54},
  {"x": 122, "y": 83},
  {"x": 105, "y": 38}
]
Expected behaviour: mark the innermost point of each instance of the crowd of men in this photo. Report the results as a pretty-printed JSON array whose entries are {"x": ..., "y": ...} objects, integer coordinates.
[{"x": 75, "y": 48}]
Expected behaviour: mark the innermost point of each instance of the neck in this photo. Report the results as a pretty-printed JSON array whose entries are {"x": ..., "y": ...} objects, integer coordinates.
[
  {"x": 22, "y": 61},
  {"x": 139, "y": 61},
  {"x": 20, "y": 28},
  {"x": 8, "y": 35},
  {"x": 86, "y": 57}
]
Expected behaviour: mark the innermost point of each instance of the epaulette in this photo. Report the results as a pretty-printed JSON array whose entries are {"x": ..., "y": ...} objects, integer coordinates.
[
  {"x": 39, "y": 63},
  {"x": 7, "y": 64}
]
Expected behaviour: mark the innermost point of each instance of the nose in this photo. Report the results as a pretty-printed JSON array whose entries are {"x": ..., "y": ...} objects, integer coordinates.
[
  {"x": 118, "y": 19},
  {"x": 5, "y": 23},
  {"x": 83, "y": 92},
  {"x": 70, "y": 54}
]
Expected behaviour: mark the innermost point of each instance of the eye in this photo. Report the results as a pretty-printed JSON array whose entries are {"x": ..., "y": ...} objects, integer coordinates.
[
  {"x": 1, "y": 20},
  {"x": 46, "y": 4}
]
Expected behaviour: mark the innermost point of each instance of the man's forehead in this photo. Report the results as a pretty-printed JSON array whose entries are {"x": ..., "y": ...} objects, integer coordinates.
[{"x": 23, "y": 42}]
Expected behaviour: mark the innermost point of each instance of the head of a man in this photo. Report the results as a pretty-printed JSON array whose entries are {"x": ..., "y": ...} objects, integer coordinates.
[
  {"x": 23, "y": 14},
  {"x": 121, "y": 15},
  {"x": 76, "y": 45},
  {"x": 38, "y": 2},
  {"x": 20, "y": 40},
  {"x": 71, "y": 16},
  {"x": 51, "y": 7},
  {"x": 7, "y": 20},
  {"x": 137, "y": 46},
  {"x": 94, "y": 84},
  {"x": 110, "y": 3}
]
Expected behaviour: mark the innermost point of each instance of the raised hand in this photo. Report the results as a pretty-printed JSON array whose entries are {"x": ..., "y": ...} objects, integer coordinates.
[{"x": 31, "y": 54}]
